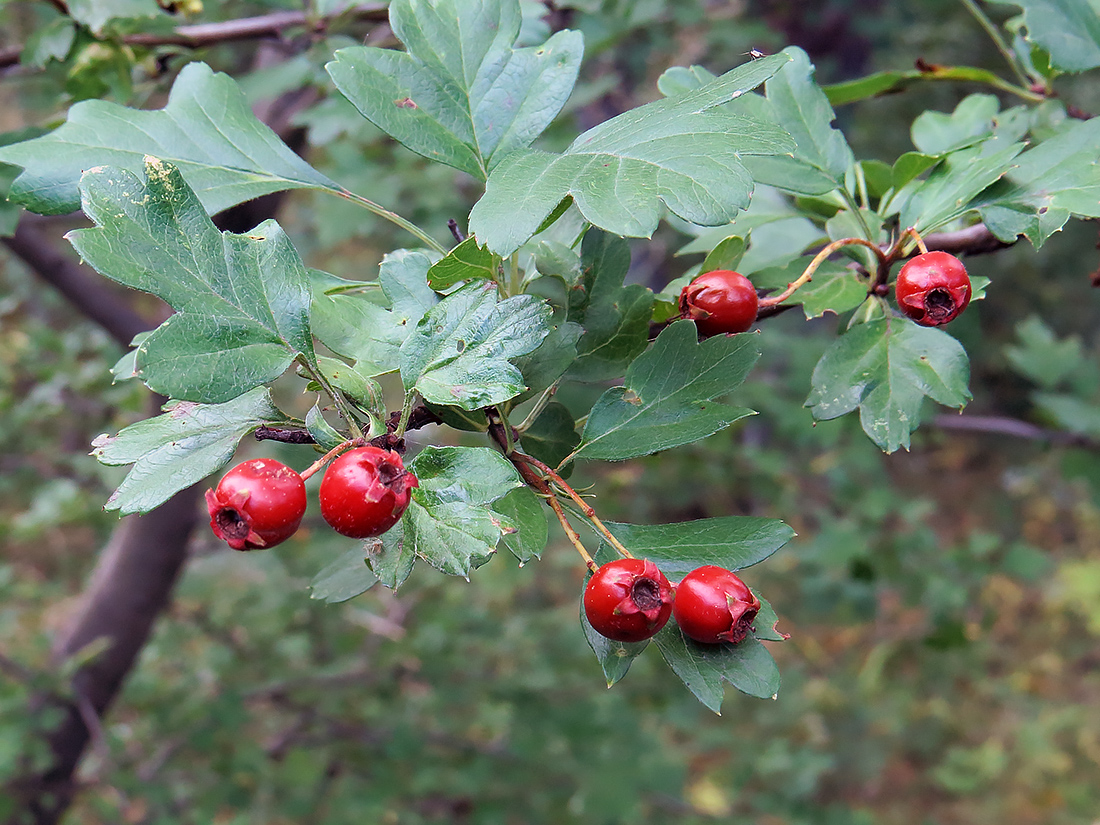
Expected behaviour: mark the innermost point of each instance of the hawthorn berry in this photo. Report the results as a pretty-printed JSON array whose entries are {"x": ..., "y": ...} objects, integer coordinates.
[
  {"x": 628, "y": 600},
  {"x": 258, "y": 503},
  {"x": 713, "y": 605},
  {"x": 720, "y": 301},
  {"x": 365, "y": 491},
  {"x": 933, "y": 288}
]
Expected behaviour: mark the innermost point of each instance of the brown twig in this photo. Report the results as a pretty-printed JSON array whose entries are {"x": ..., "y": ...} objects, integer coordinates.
[{"x": 198, "y": 35}]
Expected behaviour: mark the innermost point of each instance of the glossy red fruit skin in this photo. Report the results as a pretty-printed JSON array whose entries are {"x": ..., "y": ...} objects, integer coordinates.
[
  {"x": 713, "y": 605},
  {"x": 628, "y": 600},
  {"x": 720, "y": 301},
  {"x": 365, "y": 491},
  {"x": 933, "y": 288},
  {"x": 259, "y": 503}
]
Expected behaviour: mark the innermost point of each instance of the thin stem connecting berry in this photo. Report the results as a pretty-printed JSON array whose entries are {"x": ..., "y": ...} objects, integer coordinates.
[
  {"x": 818, "y": 260},
  {"x": 331, "y": 454}
]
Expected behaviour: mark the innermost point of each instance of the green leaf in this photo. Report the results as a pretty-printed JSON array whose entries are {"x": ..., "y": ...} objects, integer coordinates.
[
  {"x": 552, "y": 436},
  {"x": 615, "y": 657},
  {"x": 344, "y": 578},
  {"x": 465, "y": 262},
  {"x": 615, "y": 317},
  {"x": 390, "y": 557},
  {"x": 457, "y": 355},
  {"x": 732, "y": 542},
  {"x": 935, "y": 133},
  {"x": 551, "y": 359},
  {"x": 96, "y": 14},
  {"x": 679, "y": 80},
  {"x": 448, "y": 523},
  {"x": 1068, "y": 29},
  {"x": 366, "y": 392},
  {"x": 524, "y": 510},
  {"x": 1070, "y": 412},
  {"x": 50, "y": 42},
  {"x": 1047, "y": 184},
  {"x": 322, "y": 432},
  {"x": 910, "y": 165},
  {"x": 766, "y": 626},
  {"x": 703, "y": 668},
  {"x": 727, "y": 255},
  {"x": 684, "y": 152},
  {"x": 947, "y": 193},
  {"x": 834, "y": 288},
  {"x": 804, "y": 112},
  {"x": 404, "y": 279},
  {"x": 668, "y": 397},
  {"x": 355, "y": 326},
  {"x": 885, "y": 368},
  {"x": 1043, "y": 358},
  {"x": 181, "y": 447},
  {"x": 881, "y": 83},
  {"x": 207, "y": 130},
  {"x": 461, "y": 94},
  {"x": 242, "y": 301}
]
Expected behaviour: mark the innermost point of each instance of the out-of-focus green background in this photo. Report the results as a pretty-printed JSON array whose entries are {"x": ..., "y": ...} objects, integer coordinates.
[{"x": 944, "y": 604}]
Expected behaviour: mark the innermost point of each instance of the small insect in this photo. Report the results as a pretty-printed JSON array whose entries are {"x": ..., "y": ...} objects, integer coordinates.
[{"x": 756, "y": 54}]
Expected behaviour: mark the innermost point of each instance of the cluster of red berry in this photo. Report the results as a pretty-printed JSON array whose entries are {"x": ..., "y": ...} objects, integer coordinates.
[
  {"x": 932, "y": 289},
  {"x": 260, "y": 503},
  {"x": 630, "y": 600}
]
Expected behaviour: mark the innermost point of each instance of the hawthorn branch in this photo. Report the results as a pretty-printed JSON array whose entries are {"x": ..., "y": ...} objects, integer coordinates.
[
  {"x": 1012, "y": 427},
  {"x": 199, "y": 35}
]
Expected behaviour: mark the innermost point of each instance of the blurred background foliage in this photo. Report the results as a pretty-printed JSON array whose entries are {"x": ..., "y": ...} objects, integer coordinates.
[{"x": 944, "y": 604}]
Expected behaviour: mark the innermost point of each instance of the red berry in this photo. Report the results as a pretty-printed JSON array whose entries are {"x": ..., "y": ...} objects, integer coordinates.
[
  {"x": 628, "y": 600},
  {"x": 365, "y": 491},
  {"x": 259, "y": 503},
  {"x": 933, "y": 288},
  {"x": 719, "y": 301},
  {"x": 713, "y": 605}
]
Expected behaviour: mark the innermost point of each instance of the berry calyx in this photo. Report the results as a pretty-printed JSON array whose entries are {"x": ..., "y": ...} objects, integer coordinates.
[
  {"x": 720, "y": 301},
  {"x": 713, "y": 605},
  {"x": 365, "y": 491},
  {"x": 259, "y": 503},
  {"x": 628, "y": 600},
  {"x": 933, "y": 288}
]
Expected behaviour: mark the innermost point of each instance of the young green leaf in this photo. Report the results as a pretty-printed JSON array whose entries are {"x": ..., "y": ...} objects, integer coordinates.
[
  {"x": 242, "y": 301},
  {"x": 669, "y": 395},
  {"x": 703, "y": 668},
  {"x": 684, "y": 152},
  {"x": 458, "y": 354},
  {"x": 448, "y": 523},
  {"x": 732, "y": 542},
  {"x": 181, "y": 447},
  {"x": 461, "y": 94},
  {"x": 466, "y": 262},
  {"x": 344, "y": 578},
  {"x": 207, "y": 130},
  {"x": 885, "y": 368}
]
